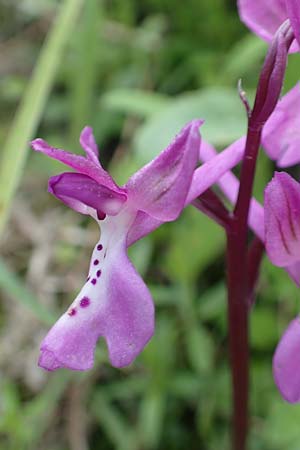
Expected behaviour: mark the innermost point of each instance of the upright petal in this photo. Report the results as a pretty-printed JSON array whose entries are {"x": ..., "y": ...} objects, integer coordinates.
[
  {"x": 281, "y": 134},
  {"x": 81, "y": 193},
  {"x": 88, "y": 143},
  {"x": 282, "y": 220},
  {"x": 77, "y": 162},
  {"x": 160, "y": 188},
  {"x": 264, "y": 17},
  {"x": 114, "y": 303},
  {"x": 286, "y": 363}
]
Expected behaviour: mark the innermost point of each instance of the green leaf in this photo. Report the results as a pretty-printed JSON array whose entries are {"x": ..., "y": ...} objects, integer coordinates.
[
  {"x": 13, "y": 286},
  {"x": 82, "y": 82},
  {"x": 246, "y": 53},
  {"x": 195, "y": 241},
  {"x": 200, "y": 348},
  {"x": 222, "y": 110},
  {"x": 282, "y": 426},
  {"x": 32, "y": 105},
  {"x": 134, "y": 101},
  {"x": 151, "y": 418},
  {"x": 263, "y": 328},
  {"x": 113, "y": 423}
]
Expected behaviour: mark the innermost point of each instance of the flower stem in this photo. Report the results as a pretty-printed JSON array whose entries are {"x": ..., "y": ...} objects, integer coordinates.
[
  {"x": 238, "y": 342},
  {"x": 240, "y": 276},
  {"x": 238, "y": 293}
]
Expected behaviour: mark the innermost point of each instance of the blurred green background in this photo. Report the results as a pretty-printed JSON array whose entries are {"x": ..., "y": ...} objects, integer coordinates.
[{"x": 137, "y": 72}]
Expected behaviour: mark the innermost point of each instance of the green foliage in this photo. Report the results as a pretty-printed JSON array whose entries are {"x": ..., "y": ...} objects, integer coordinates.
[{"x": 31, "y": 107}]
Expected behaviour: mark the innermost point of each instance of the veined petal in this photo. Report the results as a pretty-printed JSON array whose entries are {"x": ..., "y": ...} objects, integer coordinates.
[
  {"x": 77, "y": 162},
  {"x": 282, "y": 220},
  {"x": 81, "y": 193},
  {"x": 88, "y": 143},
  {"x": 281, "y": 134},
  {"x": 264, "y": 17},
  {"x": 160, "y": 188},
  {"x": 215, "y": 168},
  {"x": 114, "y": 303},
  {"x": 286, "y": 363}
]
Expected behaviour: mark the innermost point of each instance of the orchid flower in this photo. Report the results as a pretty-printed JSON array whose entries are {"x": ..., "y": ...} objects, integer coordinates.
[
  {"x": 281, "y": 133},
  {"x": 264, "y": 17},
  {"x": 114, "y": 302},
  {"x": 282, "y": 240}
]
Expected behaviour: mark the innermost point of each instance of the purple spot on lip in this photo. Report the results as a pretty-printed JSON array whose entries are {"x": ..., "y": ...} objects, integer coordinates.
[
  {"x": 99, "y": 247},
  {"x": 98, "y": 273},
  {"x": 94, "y": 281},
  {"x": 96, "y": 262},
  {"x": 84, "y": 302},
  {"x": 72, "y": 312}
]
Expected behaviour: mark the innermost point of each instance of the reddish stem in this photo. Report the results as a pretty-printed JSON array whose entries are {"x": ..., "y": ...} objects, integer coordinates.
[
  {"x": 238, "y": 342},
  {"x": 240, "y": 281}
]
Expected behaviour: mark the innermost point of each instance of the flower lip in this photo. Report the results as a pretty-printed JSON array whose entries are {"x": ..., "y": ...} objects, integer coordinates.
[{"x": 49, "y": 361}]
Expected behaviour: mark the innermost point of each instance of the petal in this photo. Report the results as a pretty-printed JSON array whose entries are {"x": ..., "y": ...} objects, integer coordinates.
[
  {"x": 286, "y": 363},
  {"x": 281, "y": 134},
  {"x": 129, "y": 317},
  {"x": 81, "y": 193},
  {"x": 142, "y": 225},
  {"x": 282, "y": 220},
  {"x": 88, "y": 143},
  {"x": 78, "y": 163},
  {"x": 160, "y": 188},
  {"x": 114, "y": 303},
  {"x": 293, "y": 10},
  {"x": 229, "y": 185},
  {"x": 211, "y": 171},
  {"x": 264, "y": 17},
  {"x": 294, "y": 272}
]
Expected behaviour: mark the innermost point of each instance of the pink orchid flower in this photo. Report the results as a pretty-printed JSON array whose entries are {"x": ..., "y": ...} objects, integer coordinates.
[
  {"x": 115, "y": 302},
  {"x": 264, "y": 17}
]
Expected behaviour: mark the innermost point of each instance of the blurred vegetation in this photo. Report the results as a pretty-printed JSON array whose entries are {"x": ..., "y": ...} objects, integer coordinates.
[{"x": 136, "y": 72}]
